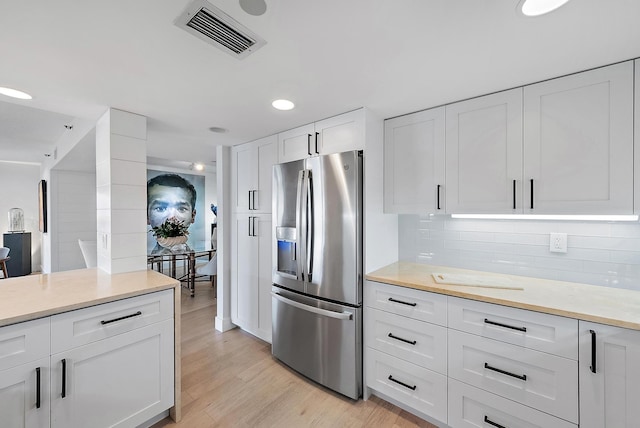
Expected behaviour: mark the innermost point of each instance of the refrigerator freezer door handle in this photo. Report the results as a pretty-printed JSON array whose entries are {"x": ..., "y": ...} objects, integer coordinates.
[
  {"x": 300, "y": 222},
  {"x": 310, "y": 226},
  {"x": 324, "y": 312}
]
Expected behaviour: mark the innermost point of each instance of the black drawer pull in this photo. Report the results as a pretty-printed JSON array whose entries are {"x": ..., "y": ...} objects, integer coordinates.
[
  {"x": 37, "y": 387},
  {"x": 64, "y": 378},
  {"x": 521, "y": 377},
  {"x": 490, "y": 422},
  {"x": 593, "y": 351},
  {"x": 487, "y": 321},
  {"x": 121, "y": 318},
  {"x": 413, "y": 388},
  {"x": 410, "y": 342},
  {"x": 391, "y": 299}
]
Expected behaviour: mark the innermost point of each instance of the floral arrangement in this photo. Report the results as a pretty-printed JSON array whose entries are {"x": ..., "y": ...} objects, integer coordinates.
[{"x": 171, "y": 227}]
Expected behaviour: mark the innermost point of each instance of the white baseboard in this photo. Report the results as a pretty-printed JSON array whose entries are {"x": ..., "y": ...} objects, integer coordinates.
[{"x": 224, "y": 324}]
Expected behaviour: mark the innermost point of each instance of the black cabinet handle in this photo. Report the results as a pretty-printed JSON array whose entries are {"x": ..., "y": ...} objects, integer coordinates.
[
  {"x": 317, "y": 136},
  {"x": 391, "y": 299},
  {"x": 37, "y": 387},
  {"x": 490, "y": 422},
  {"x": 487, "y": 321},
  {"x": 413, "y": 388},
  {"x": 120, "y": 318},
  {"x": 410, "y": 342},
  {"x": 504, "y": 372},
  {"x": 514, "y": 194},
  {"x": 438, "y": 196},
  {"x": 593, "y": 351},
  {"x": 532, "y": 193},
  {"x": 253, "y": 199},
  {"x": 309, "y": 144},
  {"x": 64, "y": 378},
  {"x": 253, "y": 223}
]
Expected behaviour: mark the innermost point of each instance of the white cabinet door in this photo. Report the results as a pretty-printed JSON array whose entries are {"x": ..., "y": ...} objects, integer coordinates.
[
  {"x": 636, "y": 140},
  {"x": 414, "y": 163},
  {"x": 484, "y": 154},
  {"x": 332, "y": 135},
  {"x": 297, "y": 143},
  {"x": 340, "y": 133},
  {"x": 609, "y": 376},
  {"x": 121, "y": 381},
  {"x": 251, "y": 175},
  {"x": 251, "y": 274},
  {"x": 578, "y": 143},
  {"x": 24, "y": 395}
]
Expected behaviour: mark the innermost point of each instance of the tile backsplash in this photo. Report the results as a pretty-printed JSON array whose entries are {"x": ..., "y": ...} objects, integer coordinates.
[{"x": 599, "y": 253}]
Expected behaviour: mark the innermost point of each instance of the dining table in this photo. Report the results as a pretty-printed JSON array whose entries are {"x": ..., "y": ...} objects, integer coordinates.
[{"x": 180, "y": 264}]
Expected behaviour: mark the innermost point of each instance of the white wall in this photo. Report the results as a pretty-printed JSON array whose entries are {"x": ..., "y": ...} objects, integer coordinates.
[
  {"x": 20, "y": 190},
  {"x": 599, "y": 253},
  {"x": 72, "y": 217}
]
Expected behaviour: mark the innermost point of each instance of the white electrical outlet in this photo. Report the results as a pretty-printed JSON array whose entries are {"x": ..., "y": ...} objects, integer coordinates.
[{"x": 558, "y": 242}]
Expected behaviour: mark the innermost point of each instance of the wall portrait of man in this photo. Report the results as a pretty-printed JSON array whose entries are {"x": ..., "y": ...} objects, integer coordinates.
[{"x": 179, "y": 196}]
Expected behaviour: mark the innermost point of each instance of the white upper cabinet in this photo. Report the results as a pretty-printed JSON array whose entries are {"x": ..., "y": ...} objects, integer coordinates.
[
  {"x": 484, "y": 154},
  {"x": 578, "y": 143},
  {"x": 251, "y": 175},
  {"x": 333, "y": 135},
  {"x": 414, "y": 163}
]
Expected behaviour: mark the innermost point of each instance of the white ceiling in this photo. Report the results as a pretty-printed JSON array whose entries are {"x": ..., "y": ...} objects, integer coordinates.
[{"x": 79, "y": 57}]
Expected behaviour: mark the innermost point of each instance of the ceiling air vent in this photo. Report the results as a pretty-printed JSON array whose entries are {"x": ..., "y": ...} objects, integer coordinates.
[{"x": 207, "y": 22}]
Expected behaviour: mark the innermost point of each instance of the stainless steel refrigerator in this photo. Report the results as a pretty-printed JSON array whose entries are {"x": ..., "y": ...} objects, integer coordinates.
[{"x": 317, "y": 269}]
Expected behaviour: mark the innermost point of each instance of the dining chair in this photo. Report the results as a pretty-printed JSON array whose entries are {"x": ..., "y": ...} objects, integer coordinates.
[
  {"x": 209, "y": 269},
  {"x": 89, "y": 252},
  {"x": 4, "y": 256}
]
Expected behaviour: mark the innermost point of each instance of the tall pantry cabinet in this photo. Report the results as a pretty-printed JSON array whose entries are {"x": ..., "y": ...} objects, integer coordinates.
[{"x": 251, "y": 231}]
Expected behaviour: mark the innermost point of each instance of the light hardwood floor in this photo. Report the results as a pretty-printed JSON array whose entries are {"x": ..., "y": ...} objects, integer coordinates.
[{"x": 231, "y": 380}]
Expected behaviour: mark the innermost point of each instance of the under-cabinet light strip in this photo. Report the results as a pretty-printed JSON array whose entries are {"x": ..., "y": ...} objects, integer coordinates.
[{"x": 548, "y": 217}]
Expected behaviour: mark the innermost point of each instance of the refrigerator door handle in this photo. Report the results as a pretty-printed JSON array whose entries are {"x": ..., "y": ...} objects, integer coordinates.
[
  {"x": 324, "y": 312},
  {"x": 300, "y": 223},
  {"x": 310, "y": 227}
]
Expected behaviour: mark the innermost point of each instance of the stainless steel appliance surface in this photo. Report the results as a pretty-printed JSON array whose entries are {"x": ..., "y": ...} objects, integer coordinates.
[{"x": 317, "y": 269}]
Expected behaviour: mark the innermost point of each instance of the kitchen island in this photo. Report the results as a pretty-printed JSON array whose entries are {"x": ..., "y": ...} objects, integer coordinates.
[
  {"x": 72, "y": 333},
  {"x": 469, "y": 348}
]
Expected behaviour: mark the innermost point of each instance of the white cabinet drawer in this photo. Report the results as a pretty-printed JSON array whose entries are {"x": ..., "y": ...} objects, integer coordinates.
[
  {"x": 543, "y": 381},
  {"x": 417, "y": 304},
  {"x": 471, "y": 407},
  {"x": 543, "y": 332},
  {"x": 80, "y": 327},
  {"x": 417, "y": 387},
  {"x": 418, "y": 342},
  {"x": 24, "y": 342}
]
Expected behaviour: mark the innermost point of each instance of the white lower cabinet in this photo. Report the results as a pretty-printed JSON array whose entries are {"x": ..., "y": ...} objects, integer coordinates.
[
  {"x": 609, "y": 376},
  {"x": 471, "y": 407},
  {"x": 24, "y": 395},
  {"x": 109, "y": 365},
  {"x": 121, "y": 381},
  {"x": 251, "y": 274},
  {"x": 407, "y": 383},
  {"x": 543, "y": 381}
]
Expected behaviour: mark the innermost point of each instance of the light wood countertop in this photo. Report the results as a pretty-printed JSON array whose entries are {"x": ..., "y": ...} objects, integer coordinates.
[
  {"x": 35, "y": 296},
  {"x": 599, "y": 304}
]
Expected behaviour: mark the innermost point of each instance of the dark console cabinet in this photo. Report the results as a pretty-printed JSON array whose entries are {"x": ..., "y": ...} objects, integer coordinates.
[{"x": 19, "y": 263}]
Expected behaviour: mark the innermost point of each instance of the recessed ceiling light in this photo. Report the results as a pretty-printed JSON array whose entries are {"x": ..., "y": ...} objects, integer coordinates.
[
  {"x": 539, "y": 7},
  {"x": 254, "y": 7},
  {"x": 198, "y": 166},
  {"x": 283, "y": 104},
  {"x": 218, "y": 129},
  {"x": 15, "y": 94}
]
